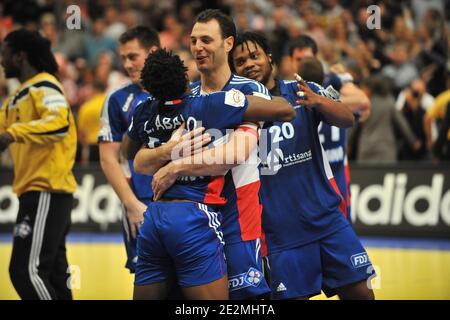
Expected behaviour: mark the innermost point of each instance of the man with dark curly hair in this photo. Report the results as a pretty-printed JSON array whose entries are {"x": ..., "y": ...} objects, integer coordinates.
[
  {"x": 37, "y": 125},
  {"x": 181, "y": 237}
]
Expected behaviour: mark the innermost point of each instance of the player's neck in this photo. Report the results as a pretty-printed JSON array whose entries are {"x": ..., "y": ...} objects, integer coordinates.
[
  {"x": 215, "y": 80},
  {"x": 27, "y": 73},
  {"x": 270, "y": 84}
]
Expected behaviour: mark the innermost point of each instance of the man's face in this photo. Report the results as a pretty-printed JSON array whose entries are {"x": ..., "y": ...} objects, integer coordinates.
[
  {"x": 298, "y": 54},
  {"x": 133, "y": 57},
  {"x": 9, "y": 63},
  {"x": 208, "y": 48},
  {"x": 251, "y": 61}
]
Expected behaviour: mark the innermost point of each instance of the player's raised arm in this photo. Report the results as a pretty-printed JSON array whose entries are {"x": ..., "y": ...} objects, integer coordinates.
[
  {"x": 260, "y": 109},
  {"x": 334, "y": 112}
]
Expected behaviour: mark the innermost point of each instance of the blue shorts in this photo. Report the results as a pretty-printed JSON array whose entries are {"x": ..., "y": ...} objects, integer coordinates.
[
  {"x": 245, "y": 277},
  {"x": 181, "y": 240},
  {"x": 129, "y": 242},
  {"x": 327, "y": 264}
]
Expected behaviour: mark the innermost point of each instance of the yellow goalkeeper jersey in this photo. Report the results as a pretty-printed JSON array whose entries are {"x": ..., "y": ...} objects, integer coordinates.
[{"x": 38, "y": 117}]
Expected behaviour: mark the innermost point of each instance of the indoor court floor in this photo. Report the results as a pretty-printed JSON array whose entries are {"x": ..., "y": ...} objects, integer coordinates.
[{"x": 406, "y": 268}]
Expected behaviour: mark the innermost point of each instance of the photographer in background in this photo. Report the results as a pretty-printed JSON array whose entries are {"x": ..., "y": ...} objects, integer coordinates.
[{"x": 413, "y": 102}]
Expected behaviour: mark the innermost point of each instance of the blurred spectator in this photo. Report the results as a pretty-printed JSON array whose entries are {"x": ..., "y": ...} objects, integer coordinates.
[
  {"x": 96, "y": 42},
  {"x": 412, "y": 42},
  {"x": 401, "y": 71},
  {"x": 438, "y": 112},
  {"x": 68, "y": 76},
  {"x": 433, "y": 57},
  {"x": 420, "y": 7},
  {"x": 376, "y": 142},
  {"x": 441, "y": 148},
  {"x": 89, "y": 124},
  {"x": 114, "y": 27},
  {"x": 413, "y": 103}
]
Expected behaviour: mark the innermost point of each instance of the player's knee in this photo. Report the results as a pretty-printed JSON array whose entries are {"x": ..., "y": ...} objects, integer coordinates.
[
  {"x": 369, "y": 295},
  {"x": 356, "y": 291}
]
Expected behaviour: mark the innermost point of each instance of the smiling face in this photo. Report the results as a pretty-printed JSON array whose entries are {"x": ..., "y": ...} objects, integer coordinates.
[
  {"x": 250, "y": 61},
  {"x": 208, "y": 47},
  {"x": 133, "y": 56}
]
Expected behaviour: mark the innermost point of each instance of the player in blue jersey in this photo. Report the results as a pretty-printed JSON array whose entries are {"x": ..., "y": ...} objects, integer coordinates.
[
  {"x": 212, "y": 38},
  {"x": 181, "y": 236},
  {"x": 333, "y": 138},
  {"x": 311, "y": 246},
  {"x": 134, "y": 191}
]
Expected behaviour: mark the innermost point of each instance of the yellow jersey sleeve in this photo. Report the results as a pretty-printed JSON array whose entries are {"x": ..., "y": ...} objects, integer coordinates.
[
  {"x": 53, "y": 123},
  {"x": 3, "y": 117}
]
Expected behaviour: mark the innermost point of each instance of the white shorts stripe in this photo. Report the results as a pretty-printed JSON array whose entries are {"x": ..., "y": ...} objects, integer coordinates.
[
  {"x": 36, "y": 246},
  {"x": 257, "y": 248},
  {"x": 213, "y": 221}
]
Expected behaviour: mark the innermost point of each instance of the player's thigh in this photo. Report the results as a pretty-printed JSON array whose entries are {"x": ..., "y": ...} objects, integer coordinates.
[
  {"x": 153, "y": 291},
  {"x": 215, "y": 290},
  {"x": 193, "y": 238},
  {"x": 245, "y": 272},
  {"x": 345, "y": 261},
  {"x": 296, "y": 273}
]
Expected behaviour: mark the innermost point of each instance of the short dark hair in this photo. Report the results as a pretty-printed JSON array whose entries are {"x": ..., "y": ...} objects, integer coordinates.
[
  {"x": 226, "y": 23},
  {"x": 147, "y": 37},
  {"x": 37, "y": 48},
  {"x": 302, "y": 42},
  {"x": 311, "y": 69},
  {"x": 249, "y": 36},
  {"x": 378, "y": 85},
  {"x": 164, "y": 75}
]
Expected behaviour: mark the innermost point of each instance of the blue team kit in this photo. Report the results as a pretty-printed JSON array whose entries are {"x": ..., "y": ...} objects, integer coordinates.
[{"x": 303, "y": 210}]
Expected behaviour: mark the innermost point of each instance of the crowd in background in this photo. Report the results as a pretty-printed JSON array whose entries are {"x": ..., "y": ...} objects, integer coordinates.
[{"x": 403, "y": 66}]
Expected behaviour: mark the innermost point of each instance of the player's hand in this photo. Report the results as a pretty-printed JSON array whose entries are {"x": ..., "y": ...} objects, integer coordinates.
[
  {"x": 5, "y": 140},
  {"x": 162, "y": 180},
  {"x": 135, "y": 216},
  {"x": 307, "y": 97},
  {"x": 184, "y": 144}
]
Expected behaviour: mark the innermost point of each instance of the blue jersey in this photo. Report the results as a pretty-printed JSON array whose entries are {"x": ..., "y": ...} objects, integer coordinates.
[
  {"x": 154, "y": 122},
  {"x": 334, "y": 141},
  {"x": 301, "y": 202},
  {"x": 115, "y": 119},
  {"x": 242, "y": 212}
]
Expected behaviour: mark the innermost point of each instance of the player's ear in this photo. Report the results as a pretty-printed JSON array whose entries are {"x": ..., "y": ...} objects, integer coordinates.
[
  {"x": 229, "y": 42},
  {"x": 19, "y": 58}
]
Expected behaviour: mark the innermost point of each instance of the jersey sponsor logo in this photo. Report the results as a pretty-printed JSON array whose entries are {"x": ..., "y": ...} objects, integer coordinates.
[
  {"x": 127, "y": 103},
  {"x": 276, "y": 159},
  {"x": 360, "y": 260},
  {"x": 22, "y": 229},
  {"x": 281, "y": 287},
  {"x": 252, "y": 277},
  {"x": 235, "y": 98}
]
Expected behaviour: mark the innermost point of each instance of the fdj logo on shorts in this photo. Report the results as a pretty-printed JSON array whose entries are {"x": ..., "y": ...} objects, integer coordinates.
[
  {"x": 360, "y": 260},
  {"x": 252, "y": 277}
]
